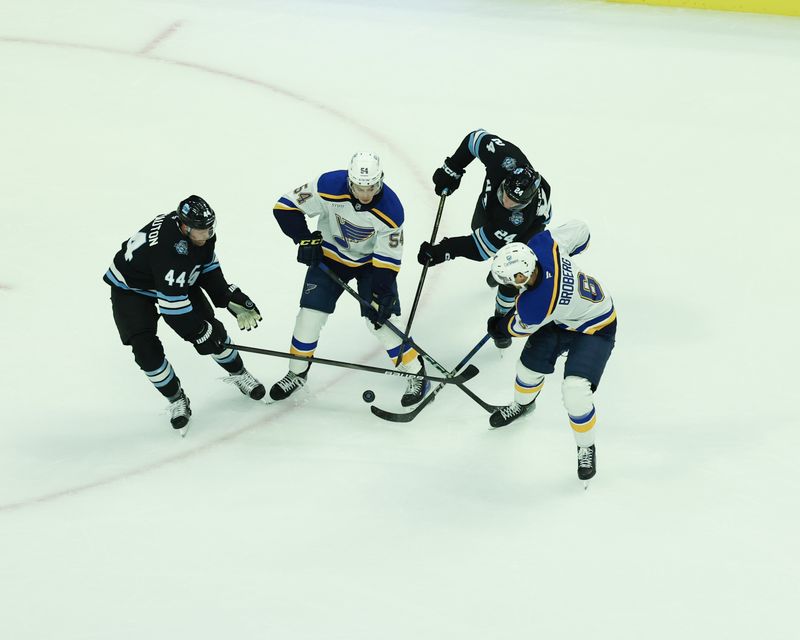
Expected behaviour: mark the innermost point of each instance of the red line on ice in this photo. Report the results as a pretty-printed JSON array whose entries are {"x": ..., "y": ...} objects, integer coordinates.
[
  {"x": 130, "y": 473},
  {"x": 166, "y": 33}
]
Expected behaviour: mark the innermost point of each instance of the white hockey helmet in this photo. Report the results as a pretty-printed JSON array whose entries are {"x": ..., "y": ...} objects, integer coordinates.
[
  {"x": 365, "y": 170},
  {"x": 514, "y": 258}
]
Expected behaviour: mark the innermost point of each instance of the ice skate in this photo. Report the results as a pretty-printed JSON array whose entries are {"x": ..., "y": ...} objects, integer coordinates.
[
  {"x": 507, "y": 415},
  {"x": 587, "y": 464},
  {"x": 287, "y": 385},
  {"x": 179, "y": 412},
  {"x": 247, "y": 384},
  {"x": 415, "y": 389}
]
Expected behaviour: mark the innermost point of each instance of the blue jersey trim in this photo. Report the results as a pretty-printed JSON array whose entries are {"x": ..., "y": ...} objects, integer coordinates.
[
  {"x": 596, "y": 320},
  {"x": 121, "y": 285},
  {"x": 386, "y": 259},
  {"x": 474, "y": 142},
  {"x": 333, "y": 183},
  {"x": 534, "y": 305},
  {"x": 175, "y": 312},
  {"x": 163, "y": 296},
  {"x": 582, "y": 247}
]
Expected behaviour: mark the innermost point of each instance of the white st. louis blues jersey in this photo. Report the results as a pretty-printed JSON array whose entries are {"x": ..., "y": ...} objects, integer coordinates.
[
  {"x": 563, "y": 294},
  {"x": 352, "y": 234}
]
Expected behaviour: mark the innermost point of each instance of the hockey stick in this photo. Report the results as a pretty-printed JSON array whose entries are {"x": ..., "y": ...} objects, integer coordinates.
[
  {"x": 326, "y": 269},
  {"x": 422, "y": 277},
  {"x": 408, "y": 416},
  {"x": 468, "y": 374}
]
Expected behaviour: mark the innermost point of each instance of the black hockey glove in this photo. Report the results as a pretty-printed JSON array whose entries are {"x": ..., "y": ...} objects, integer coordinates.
[
  {"x": 497, "y": 326},
  {"x": 383, "y": 306},
  {"x": 446, "y": 179},
  {"x": 211, "y": 339},
  {"x": 243, "y": 308},
  {"x": 309, "y": 249},
  {"x": 433, "y": 254}
]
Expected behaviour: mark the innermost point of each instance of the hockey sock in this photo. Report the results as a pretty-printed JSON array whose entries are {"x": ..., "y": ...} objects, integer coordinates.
[
  {"x": 230, "y": 360},
  {"x": 527, "y": 385},
  {"x": 164, "y": 379},
  {"x": 307, "y": 328},
  {"x": 578, "y": 401},
  {"x": 409, "y": 359}
]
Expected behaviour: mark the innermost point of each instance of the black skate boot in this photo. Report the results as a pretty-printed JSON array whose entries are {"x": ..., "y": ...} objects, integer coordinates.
[
  {"x": 415, "y": 389},
  {"x": 179, "y": 411},
  {"x": 247, "y": 384},
  {"x": 507, "y": 415},
  {"x": 287, "y": 385},
  {"x": 587, "y": 462}
]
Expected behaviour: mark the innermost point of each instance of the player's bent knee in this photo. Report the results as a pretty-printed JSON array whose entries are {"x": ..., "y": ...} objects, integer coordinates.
[
  {"x": 147, "y": 350},
  {"x": 577, "y": 395},
  {"x": 527, "y": 374}
]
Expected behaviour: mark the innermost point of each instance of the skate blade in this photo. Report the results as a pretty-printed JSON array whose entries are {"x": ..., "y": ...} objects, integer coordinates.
[{"x": 184, "y": 430}]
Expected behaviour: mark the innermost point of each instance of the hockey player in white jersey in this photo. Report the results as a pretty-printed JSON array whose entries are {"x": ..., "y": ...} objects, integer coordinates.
[
  {"x": 359, "y": 235},
  {"x": 564, "y": 310}
]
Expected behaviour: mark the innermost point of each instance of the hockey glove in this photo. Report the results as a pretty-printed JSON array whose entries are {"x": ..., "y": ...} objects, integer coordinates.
[
  {"x": 446, "y": 179},
  {"x": 309, "y": 249},
  {"x": 383, "y": 306},
  {"x": 433, "y": 254},
  {"x": 243, "y": 308},
  {"x": 497, "y": 326},
  {"x": 211, "y": 339}
]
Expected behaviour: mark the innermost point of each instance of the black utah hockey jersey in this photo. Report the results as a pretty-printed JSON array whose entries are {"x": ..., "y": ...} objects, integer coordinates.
[{"x": 160, "y": 262}]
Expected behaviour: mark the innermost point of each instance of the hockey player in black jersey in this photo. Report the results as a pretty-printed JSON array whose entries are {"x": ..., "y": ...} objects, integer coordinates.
[
  {"x": 513, "y": 207},
  {"x": 163, "y": 269}
]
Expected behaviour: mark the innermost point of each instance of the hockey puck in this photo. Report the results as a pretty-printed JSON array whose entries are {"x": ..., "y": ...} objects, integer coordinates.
[{"x": 368, "y": 395}]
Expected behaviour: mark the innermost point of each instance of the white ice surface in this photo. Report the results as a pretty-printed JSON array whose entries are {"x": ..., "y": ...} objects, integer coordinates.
[{"x": 674, "y": 134}]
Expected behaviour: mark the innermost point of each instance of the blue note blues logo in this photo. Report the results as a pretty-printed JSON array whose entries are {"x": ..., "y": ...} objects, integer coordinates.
[
  {"x": 182, "y": 247},
  {"x": 351, "y": 232}
]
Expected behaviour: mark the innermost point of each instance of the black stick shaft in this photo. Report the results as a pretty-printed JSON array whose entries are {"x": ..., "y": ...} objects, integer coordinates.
[
  {"x": 340, "y": 363},
  {"x": 424, "y": 271}
]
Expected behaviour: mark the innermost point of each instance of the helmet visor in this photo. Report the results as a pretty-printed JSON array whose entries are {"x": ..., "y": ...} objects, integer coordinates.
[
  {"x": 508, "y": 202},
  {"x": 365, "y": 191}
]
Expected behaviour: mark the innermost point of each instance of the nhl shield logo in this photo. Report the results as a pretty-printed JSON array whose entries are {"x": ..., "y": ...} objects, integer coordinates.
[{"x": 182, "y": 247}]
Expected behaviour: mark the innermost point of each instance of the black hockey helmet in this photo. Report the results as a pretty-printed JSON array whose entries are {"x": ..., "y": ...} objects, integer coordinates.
[
  {"x": 195, "y": 213},
  {"x": 522, "y": 186}
]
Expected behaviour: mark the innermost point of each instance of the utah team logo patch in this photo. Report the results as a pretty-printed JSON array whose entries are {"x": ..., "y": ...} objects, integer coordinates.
[
  {"x": 509, "y": 164},
  {"x": 182, "y": 247},
  {"x": 516, "y": 218}
]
